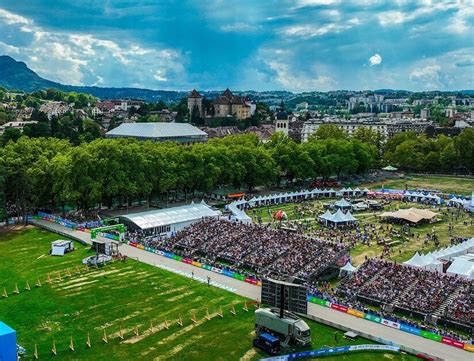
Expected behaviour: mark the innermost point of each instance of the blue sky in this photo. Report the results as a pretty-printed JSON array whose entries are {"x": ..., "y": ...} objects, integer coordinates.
[{"x": 297, "y": 45}]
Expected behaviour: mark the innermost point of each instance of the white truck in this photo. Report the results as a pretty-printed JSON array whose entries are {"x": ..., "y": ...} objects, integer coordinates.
[{"x": 290, "y": 328}]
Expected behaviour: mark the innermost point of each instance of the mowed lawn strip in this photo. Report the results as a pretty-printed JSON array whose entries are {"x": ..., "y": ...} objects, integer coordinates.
[{"x": 125, "y": 296}]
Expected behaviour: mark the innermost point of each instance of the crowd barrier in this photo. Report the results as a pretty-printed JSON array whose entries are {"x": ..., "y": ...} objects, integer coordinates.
[
  {"x": 333, "y": 351},
  {"x": 389, "y": 323},
  {"x": 221, "y": 271}
]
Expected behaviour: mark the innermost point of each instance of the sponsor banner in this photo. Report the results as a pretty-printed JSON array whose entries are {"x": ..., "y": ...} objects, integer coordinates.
[
  {"x": 216, "y": 270},
  {"x": 391, "y": 324},
  {"x": 372, "y": 318},
  {"x": 206, "y": 266},
  {"x": 374, "y": 348},
  {"x": 451, "y": 342},
  {"x": 228, "y": 273},
  {"x": 332, "y": 351},
  {"x": 337, "y": 307},
  {"x": 410, "y": 329},
  {"x": 430, "y": 335},
  {"x": 468, "y": 347},
  {"x": 177, "y": 258},
  {"x": 187, "y": 260},
  {"x": 197, "y": 264},
  {"x": 251, "y": 280},
  {"x": 356, "y": 313},
  {"x": 169, "y": 255}
]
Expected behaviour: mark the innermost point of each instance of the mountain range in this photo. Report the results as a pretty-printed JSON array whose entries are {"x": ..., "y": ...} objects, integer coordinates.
[{"x": 15, "y": 75}]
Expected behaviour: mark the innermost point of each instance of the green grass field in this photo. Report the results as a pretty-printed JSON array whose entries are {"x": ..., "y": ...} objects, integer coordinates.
[
  {"x": 448, "y": 184},
  {"x": 125, "y": 295}
]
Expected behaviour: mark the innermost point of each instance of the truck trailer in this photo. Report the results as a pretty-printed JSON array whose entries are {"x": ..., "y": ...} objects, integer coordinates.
[{"x": 290, "y": 328}]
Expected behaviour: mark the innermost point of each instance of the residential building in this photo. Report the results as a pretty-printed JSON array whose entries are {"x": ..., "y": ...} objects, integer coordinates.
[
  {"x": 425, "y": 113},
  {"x": 17, "y": 125},
  {"x": 54, "y": 109},
  {"x": 387, "y": 128}
]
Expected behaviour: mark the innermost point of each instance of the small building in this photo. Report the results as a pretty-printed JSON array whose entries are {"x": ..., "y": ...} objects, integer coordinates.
[
  {"x": 168, "y": 221},
  {"x": 61, "y": 247},
  {"x": 159, "y": 132},
  {"x": 107, "y": 247}
]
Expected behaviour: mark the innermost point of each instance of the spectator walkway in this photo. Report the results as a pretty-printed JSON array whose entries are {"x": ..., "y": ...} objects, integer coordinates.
[{"x": 317, "y": 312}]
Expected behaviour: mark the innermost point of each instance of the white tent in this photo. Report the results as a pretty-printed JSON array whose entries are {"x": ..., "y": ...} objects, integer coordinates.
[
  {"x": 342, "y": 203},
  {"x": 348, "y": 269},
  {"x": 326, "y": 216},
  {"x": 461, "y": 267},
  {"x": 349, "y": 217},
  {"x": 415, "y": 261}
]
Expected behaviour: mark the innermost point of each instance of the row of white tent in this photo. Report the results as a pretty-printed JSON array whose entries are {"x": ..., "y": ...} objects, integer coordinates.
[
  {"x": 419, "y": 196},
  {"x": 238, "y": 214},
  {"x": 305, "y": 194},
  {"x": 432, "y": 260},
  {"x": 337, "y": 217}
]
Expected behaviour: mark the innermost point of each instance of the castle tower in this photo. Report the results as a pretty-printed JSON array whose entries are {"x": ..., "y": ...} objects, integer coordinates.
[{"x": 195, "y": 99}]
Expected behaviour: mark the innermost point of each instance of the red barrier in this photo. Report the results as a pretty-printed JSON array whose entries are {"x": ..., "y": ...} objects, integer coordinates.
[
  {"x": 251, "y": 280},
  {"x": 340, "y": 308},
  {"x": 451, "y": 342}
]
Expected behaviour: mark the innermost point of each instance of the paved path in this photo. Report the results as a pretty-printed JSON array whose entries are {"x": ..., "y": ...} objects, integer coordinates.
[{"x": 251, "y": 291}]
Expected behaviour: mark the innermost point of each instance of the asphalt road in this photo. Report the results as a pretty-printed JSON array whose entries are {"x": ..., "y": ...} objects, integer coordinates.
[{"x": 398, "y": 337}]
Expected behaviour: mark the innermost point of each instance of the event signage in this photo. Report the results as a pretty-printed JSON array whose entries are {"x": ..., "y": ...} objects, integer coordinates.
[
  {"x": 410, "y": 329},
  {"x": 198, "y": 264},
  {"x": 333, "y": 351},
  {"x": 392, "y": 324}
]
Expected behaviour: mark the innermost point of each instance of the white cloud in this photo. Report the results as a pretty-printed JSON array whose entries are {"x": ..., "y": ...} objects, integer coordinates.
[
  {"x": 427, "y": 76},
  {"x": 84, "y": 59},
  {"x": 302, "y": 3},
  {"x": 239, "y": 27},
  {"x": 160, "y": 76},
  {"x": 309, "y": 31},
  {"x": 461, "y": 21},
  {"x": 8, "y": 49},
  {"x": 392, "y": 18},
  {"x": 290, "y": 77},
  {"x": 375, "y": 59},
  {"x": 11, "y": 18}
]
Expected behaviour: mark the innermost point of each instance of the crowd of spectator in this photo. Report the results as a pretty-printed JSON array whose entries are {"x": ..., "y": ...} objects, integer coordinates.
[
  {"x": 460, "y": 309},
  {"x": 267, "y": 252},
  {"x": 409, "y": 288}
]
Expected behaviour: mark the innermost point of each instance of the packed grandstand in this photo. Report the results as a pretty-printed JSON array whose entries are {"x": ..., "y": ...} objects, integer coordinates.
[
  {"x": 415, "y": 291},
  {"x": 260, "y": 249}
]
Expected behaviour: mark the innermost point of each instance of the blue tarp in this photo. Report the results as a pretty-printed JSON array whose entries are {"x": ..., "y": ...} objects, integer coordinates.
[{"x": 7, "y": 343}]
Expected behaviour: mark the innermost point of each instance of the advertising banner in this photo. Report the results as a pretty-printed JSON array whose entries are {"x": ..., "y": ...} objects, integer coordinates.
[
  {"x": 430, "y": 335},
  {"x": 356, "y": 313},
  {"x": 391, "y": 324},
  {"x": 372, "y": 318},
  {"x": 410, "y": 329},
  {"x": 451, "y": 342}
]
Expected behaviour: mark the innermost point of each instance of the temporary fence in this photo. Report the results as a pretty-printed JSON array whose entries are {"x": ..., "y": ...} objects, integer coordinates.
[
  {"x": 186, "y": 260},
  {"x": 389, "y": 323}
]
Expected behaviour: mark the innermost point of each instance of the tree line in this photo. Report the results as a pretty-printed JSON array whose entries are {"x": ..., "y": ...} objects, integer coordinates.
[{"x": 53, "y": 173}]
